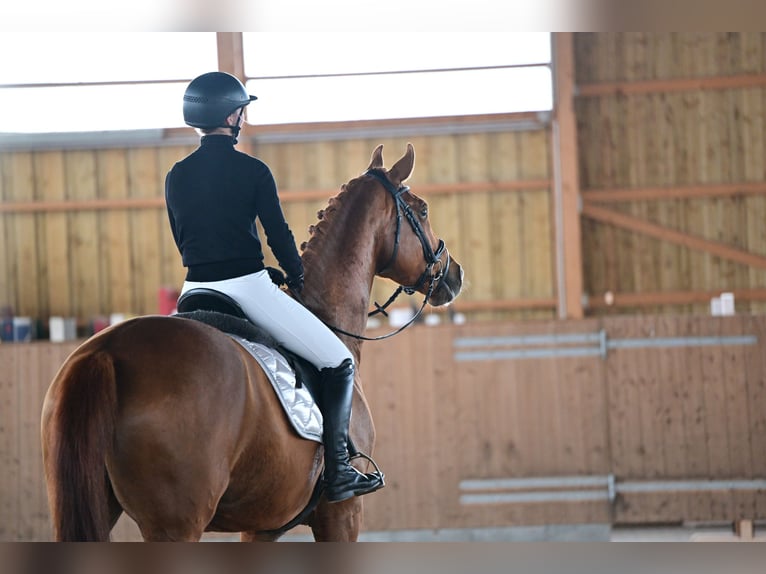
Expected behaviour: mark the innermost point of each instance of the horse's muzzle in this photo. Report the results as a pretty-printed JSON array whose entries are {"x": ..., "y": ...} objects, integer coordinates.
[{"x": 449, "y": 285}]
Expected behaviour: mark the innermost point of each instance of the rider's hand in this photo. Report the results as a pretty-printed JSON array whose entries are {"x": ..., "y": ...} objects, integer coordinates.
[
  {"x": 295, "y": 284},
  {"x": 277, "y": 277}
]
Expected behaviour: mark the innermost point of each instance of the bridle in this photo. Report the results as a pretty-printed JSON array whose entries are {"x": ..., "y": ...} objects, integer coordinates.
[{"x": 434, "y": 272}]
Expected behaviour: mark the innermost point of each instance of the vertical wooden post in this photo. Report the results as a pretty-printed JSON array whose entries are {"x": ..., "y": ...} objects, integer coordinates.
[
  {"x": 231, "y": 59},
  {"x": 230, "y": 54},
  {"x": 566, "y": 181}
]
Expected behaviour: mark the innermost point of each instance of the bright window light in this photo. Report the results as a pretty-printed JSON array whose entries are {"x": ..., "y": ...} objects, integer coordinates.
[
  {"x": 57, "y": 82},
  {"x": 290, "y": 54},
  {"x": 334, "y": 77},
  {"x": 91, "y": 108},
  {"x": 347, "y": 98},
  {"x": 31, "y": 102}
]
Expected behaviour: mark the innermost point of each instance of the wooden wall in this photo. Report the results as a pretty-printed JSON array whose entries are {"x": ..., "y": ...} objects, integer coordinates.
[
  {"x": 675, "y": 400},
  {"x": 653, "y": 131},
  {"x": 66, "y": 257}
]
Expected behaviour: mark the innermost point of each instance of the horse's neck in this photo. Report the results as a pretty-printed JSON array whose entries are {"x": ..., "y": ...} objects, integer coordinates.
[{"x": 340, "y": 263}]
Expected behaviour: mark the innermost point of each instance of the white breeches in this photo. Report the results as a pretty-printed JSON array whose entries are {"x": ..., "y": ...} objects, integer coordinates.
[{"x": 289, "y": 322}]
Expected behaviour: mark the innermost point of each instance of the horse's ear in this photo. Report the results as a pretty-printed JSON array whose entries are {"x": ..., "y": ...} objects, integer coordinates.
[
  {"x": 377, "y": 158},
  {"x": 402, "y": 169}
]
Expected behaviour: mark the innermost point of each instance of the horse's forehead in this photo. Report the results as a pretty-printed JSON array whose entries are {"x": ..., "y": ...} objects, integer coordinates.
[{"x": 413, "y": 200}]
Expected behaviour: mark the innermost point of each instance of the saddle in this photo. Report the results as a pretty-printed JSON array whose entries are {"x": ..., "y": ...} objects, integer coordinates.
[{"x": 294, "y": 379}]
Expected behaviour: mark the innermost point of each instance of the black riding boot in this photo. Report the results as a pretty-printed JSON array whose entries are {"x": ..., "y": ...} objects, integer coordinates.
[{"x": 342, "y": 480}]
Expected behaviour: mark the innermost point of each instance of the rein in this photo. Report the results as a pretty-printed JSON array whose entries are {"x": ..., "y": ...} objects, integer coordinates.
[{"x": 432, "y": 259}]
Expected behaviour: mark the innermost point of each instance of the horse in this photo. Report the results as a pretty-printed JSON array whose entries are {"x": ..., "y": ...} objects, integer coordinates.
[{"x": 169, "y": 420}]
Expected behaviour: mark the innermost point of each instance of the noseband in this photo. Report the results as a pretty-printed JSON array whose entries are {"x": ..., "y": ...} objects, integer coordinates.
[{"x": 433, "y": 258}]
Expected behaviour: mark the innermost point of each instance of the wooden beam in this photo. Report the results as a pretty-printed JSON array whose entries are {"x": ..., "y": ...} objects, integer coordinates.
[
  {"x": 230, "y": 54},
  {"x": 81, "y": 205},
  {"x": 286, "y": 196},
  {"x": 566, "y": 181},
  {"x": 527, "y": 120},
  {"x": 671, "y": 85},
  {"x": 616, "y": 195},
  {"x": 667, "y": 234},
  {"x": 502, "y": 304},
  {"x": 652, "y": 298},
  {"x": 497, "y": 305},
  {"x": 231, "y": 59}
]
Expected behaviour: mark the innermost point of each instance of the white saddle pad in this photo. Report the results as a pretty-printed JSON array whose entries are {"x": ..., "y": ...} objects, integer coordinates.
[{"x": 299, "y": 405}]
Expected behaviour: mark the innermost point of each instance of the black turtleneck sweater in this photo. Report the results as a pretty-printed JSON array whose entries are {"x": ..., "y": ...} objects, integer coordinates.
[{"x": 213, "y": 197}]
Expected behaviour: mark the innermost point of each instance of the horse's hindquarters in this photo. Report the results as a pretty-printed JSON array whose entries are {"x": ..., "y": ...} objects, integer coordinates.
[{"x": 195, "y": 422}]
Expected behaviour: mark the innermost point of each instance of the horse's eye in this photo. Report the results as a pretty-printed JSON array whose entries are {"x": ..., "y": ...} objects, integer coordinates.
[{"x": 424, "y": 213}]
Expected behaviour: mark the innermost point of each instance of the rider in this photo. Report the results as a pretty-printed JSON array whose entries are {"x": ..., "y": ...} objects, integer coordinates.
[{"x": 213, "y": 197}]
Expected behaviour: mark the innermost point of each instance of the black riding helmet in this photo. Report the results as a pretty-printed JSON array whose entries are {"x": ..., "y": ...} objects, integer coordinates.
[{"x": 210, "y": 98}]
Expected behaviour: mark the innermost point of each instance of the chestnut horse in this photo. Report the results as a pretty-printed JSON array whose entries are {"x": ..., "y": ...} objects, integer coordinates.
[{"x": 173, "y": 422}]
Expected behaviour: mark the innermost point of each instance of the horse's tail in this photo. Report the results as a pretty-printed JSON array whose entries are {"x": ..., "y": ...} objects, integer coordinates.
[{"x": 79, "y": 432}]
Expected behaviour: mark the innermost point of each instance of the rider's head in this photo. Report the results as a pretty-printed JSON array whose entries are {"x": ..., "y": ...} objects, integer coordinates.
[{"x": 211, "y": 99}]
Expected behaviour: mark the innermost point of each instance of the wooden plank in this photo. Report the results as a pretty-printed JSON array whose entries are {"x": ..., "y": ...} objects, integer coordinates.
[
  {"x": 378, "y": 389},
  {"x": 539, "y": 275},
  {"x": 755, "y": 365},
  {"x": 710, "y": 168},
  {"x": 7, "y": 259},
  {"x": 32, "y": 506},
  {"x": 670, "y": 191},
  {"x": 537, "y": 410},
  {"x": 719, "y": 461},
  {"x": 738, "y": 426},
  {"x": 405, "y": 420},
  {"x": 637, "y": 142},
  {"x": 437, "y": 163},
  {"x": 81, "y": 182},
  {"x": 582, "y": 438},
  {"x": 754, "y": 152},
  {"x": 492, "y": 400},
  {"x": 476, "y": 211},
  {"x": 417, "y": 394},
  {"x": 717, "y": 413},
  {"x": 23, "y": 237},
  {"x": 448, "y": 470},
  {"x": 695, "y": 417},
  {"x": 732, "y": 82},
  {"x": 631, "y": 401},
  {"x": 734, "y": 378},
  {"x": 51, "y": 184},
  {"x": 143, "y": 181},
  {"x": 114, "y": 233},
  {"x": 507, "y": 222},
  {"x": 10, "y": 455},
  {"x": 669, "y": 416}
]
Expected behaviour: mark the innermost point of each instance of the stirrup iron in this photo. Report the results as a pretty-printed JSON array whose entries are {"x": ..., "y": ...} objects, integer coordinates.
[{"x": 377, "y": 472}]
